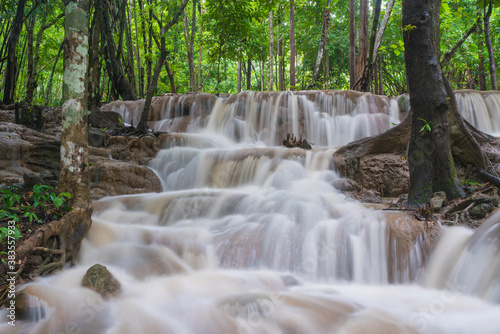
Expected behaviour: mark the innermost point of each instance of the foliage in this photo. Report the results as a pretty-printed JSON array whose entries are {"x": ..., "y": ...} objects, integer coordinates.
[
  {"x": 237, "y": 30},
  {"x": 39, "y": 205}
]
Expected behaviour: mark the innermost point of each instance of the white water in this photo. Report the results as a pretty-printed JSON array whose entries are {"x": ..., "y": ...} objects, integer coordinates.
[{"x": 252, "y": 238}]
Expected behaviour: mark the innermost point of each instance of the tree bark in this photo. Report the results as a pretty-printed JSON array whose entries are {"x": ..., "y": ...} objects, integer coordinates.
[
  {"x": 481, "y": 70},
  {"x": 321, "y": 48},
  {"x": 429, "y": 153},
  {"x": 292, "y": 45},
  {"x": 491, "y": 55},
  {"x": 271, "y": 50},
  {"x": 362, "y": 38},
  {"x": 352, "y": 44},
  {"x": 238, "y": 83},
  {"x": 11, "y": 69},
  {"x": 31, "y": 82},
  {"x": 189, "y": 46},
  {"x": 249, "y": 74},
  {"x": 434, "y": 9}
]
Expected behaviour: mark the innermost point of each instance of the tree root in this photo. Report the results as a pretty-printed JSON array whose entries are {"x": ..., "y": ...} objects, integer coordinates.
[{"x": 59, "y": 240}]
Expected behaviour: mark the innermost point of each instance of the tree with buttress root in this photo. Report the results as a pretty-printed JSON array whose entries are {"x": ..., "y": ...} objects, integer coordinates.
[{"x": 433, "y": 133}]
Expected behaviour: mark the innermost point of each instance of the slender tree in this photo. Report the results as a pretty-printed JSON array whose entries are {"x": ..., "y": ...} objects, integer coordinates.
[
  {"x": 11, "y": 69},
  {"x": 489, "y": 46},
  {"x": 322, "y": 43},
  {"x": 292, "y": 45},
  {"x": 271, "y": 49},
  {"x": 352, "y": 44}
]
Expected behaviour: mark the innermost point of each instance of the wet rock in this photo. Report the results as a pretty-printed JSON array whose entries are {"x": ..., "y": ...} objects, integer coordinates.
[
  {"x": 480, "y": 210},
  {"x": 99, "y": 279},
  {"x": 345, "y": 184},
  {"x": 111, "y": 177}
]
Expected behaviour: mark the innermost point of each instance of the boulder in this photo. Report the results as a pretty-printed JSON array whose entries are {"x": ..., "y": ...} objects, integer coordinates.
[
  {"x": 111, "y": 177},
  {"x": 99, "y": 279},
  {"x": 480, "y": 210}
]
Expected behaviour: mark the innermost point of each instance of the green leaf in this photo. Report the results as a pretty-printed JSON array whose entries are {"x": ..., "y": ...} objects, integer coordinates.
[
  {"x": 58, "y": 201},
  {"x": 397, "y": 52}
]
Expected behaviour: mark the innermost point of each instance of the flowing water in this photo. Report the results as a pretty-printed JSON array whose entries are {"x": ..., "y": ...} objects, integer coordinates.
[{"x": 251, "y": 237}]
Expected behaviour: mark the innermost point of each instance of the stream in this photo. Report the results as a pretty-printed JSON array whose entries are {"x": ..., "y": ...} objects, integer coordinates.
[{"x": 251, "y": 237}]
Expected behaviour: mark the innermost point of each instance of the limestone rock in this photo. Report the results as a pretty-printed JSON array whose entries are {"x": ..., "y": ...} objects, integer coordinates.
[
  {"x": 111, "y": 177},
  {"x": 345, "y": 184},
  {"x": 384, "y": 173},
  {"x": 99, "y": 279}
]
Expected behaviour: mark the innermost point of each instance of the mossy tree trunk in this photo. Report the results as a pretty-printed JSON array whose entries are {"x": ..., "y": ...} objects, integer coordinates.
[
  {"x": 61, "y": 239},
  {"x": 429, "y": 153}
]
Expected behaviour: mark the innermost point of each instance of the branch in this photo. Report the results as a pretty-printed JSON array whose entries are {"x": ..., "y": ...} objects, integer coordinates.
[
  {"x": 175, "y": 19},
  {"x": 447, "y": 57},
  {"x": 381, "y": 30}
]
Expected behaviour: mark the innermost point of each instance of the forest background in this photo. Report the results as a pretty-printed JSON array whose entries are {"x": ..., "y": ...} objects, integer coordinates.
[{"x": 226, "y": 46}]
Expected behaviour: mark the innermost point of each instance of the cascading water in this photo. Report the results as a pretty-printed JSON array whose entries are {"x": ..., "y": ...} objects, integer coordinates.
[{"x": 251, "y": 237}]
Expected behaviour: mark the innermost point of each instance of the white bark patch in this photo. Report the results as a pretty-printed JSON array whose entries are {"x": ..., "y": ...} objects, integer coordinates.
[
  {"x": 72, "y": 158},
  {"x": 71, "y": 109}
]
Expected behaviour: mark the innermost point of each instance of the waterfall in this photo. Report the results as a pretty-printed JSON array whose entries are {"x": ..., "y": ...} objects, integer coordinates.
[{"x": 251, "y": 237}]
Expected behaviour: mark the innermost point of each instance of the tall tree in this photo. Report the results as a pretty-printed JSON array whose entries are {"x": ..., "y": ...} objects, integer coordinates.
[
  {"x": 189, "y": 38},
  {"x": 352, "y": 44},
  {"x": 11, "y": 70},
  {"x": 142, "y": 127},
  {"x": 487, "y": 38},
  {"x": 362, "y": 38},
  {"x": 322, "y": 43},
  {"x": 271, "y": 49},
  {"x": 113, "y": 63},
  {"x": 292, "y": 45},
  {"x": 429, "y": 153}
]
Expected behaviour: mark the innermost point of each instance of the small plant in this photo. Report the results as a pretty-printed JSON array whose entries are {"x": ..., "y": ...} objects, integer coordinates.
[
  {"x": 470, "y": 183},
  {"x": 427, "y": 125}
]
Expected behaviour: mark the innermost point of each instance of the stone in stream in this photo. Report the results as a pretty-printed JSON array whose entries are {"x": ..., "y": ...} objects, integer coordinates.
[
  {"x": 480, "y": 210},
  {"x": 438, "y": 200},
  {"x": 99, "y": 279}
]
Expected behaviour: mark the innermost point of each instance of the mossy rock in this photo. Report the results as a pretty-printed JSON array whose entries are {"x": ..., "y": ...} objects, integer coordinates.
[{"x": 99, "y": 279}]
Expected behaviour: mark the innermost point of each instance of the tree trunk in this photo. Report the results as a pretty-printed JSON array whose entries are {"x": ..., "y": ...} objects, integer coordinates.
[
  {"x": 321, "y": 48},
  {"x": 31, "y": 82},
  {"x": 131, "y": 52},
  {"x": 491, "y": 55},
  {"x": 189, "y": 46},
  {"x": 115, "y": 70},
  {"x": 170, "y": 77},
  {"x": 142, "y": 127},
  {"x": 352, "y": 44},
  {"x": 71, "y": 229},
  {"x": 429, "y": 153},
  {"x": 249, "y": 74},
  {"x": 11, "y": 69},
  {"x": 366, "y": 82},
  {"x": 200, "y": 54},
  {"x": 238, "y": 84},
  {"x": 434, "y": 9},
  {"x": 481, "y": 69},
  {"x": 362, "y": 38},
  {"x": 271, "y": 50},
  {"x": 292, "y": 45}
]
